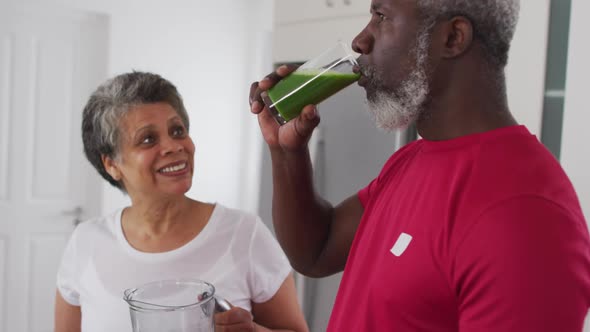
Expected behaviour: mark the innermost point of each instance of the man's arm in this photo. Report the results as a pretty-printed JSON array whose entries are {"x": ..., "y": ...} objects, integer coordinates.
[{"x": 315, "y": 236}]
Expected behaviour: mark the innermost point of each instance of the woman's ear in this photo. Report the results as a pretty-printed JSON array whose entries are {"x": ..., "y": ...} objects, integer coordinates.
[
  {"x": 457, "y": 36},
  {"x": 111, "y": 167}
]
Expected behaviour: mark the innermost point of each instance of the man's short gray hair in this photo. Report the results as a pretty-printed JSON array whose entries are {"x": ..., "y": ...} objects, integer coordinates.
[
  {"x": 110, "y": 102},
  {"x": 494, "y": 22}
]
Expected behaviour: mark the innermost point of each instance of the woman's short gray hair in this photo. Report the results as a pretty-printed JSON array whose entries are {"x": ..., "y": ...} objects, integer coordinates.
[
  {"x": 494, "y": 22},
  {"x": 106, "y": 106}
]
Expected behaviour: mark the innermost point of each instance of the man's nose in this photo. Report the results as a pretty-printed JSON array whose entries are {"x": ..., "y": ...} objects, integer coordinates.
[{"x": 363, "y": 42}]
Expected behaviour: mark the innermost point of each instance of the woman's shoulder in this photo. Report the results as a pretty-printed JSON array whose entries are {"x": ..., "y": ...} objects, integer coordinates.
[
  {"x": 236, "y": 220},
  {"x": 100, "y": 226},
  {"x": 233, "y": 215}
]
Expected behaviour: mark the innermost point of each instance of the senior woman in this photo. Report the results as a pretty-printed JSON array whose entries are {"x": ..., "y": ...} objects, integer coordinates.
[{"x": 135, "y": 133}]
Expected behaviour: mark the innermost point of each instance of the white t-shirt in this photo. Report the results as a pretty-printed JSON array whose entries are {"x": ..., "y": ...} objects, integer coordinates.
[{"x": 235, "y": 252}]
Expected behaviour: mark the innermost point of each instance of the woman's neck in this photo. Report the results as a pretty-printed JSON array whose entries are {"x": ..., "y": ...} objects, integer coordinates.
[
  {"x": 164, "y": 224},
  {"x": 158, "y": 216}
]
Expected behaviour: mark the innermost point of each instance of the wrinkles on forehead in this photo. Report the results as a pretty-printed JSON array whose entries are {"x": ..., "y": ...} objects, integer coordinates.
[
  {"x": 394, "y": 7},
  {"x": 378, "y": 5}
]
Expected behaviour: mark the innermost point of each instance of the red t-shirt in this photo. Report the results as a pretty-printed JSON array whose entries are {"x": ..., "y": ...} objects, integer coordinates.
[{"x": 479, "y": 233}]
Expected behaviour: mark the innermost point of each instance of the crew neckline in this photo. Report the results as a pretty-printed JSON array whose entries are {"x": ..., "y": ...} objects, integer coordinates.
[
  {"x": 216, "y": 215},
  {"x": 454, "y": 143}
]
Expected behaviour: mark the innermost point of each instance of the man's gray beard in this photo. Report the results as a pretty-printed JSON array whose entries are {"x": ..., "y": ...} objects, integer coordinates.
[{"x": 397, "y": 109}]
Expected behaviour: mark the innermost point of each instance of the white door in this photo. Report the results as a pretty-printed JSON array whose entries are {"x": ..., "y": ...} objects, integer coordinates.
[{"x": 50, "y": 61}]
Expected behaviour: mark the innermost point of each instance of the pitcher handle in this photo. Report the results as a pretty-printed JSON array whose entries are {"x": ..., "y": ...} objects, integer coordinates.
[{"x": 221, "y": 305}]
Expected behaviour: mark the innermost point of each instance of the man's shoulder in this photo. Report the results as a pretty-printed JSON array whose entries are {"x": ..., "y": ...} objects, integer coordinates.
[
  {"x": 401, "y": 155},
  {"x": 518, "y": 166}
]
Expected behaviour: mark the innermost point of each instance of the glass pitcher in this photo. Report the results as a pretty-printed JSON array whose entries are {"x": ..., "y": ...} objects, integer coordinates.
[{"x": 184, "y": 305}]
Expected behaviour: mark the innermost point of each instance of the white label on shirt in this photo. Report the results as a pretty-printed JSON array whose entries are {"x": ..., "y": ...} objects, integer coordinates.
[{"x": 401, "y": 244}]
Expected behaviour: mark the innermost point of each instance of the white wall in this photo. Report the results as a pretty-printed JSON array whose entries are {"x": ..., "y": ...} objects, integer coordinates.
[
  {"x": 211, "y": 51},
  {"x": 575, "y": 153},
  {"x": 525, "y": 74}
]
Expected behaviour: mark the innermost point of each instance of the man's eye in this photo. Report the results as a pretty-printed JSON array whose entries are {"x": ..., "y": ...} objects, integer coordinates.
[{"x": 380, "y": 17}]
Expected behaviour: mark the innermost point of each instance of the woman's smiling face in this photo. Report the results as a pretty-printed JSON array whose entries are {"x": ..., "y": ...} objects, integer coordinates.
[{"x": 155, "y": 154}]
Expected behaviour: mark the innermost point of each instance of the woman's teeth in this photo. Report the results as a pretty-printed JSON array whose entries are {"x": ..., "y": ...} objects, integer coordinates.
[{"x": 173, "y": 168}]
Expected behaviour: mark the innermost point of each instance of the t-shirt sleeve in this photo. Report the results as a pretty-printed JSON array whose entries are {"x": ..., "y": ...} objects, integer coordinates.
[
  {"x": 365, "y": 193},
  {"x": 67, "y": 277},
  {"x": 269, "y": 267},
  {"x": 523, "y": 266},
  {"x": 390, "y": 166}
]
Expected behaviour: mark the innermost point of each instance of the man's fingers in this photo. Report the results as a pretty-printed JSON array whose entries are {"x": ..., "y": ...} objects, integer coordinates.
[
  {"x": 266, "y": 118},
  {"x": 256, "y": 104},
  {"x": 286, "y": 69},
  {"x": 253, "y": 88},
  {"x": 271, "y": 79},
  {"x": 256, "y": 88},
  {"x": 306, "y": 122}
]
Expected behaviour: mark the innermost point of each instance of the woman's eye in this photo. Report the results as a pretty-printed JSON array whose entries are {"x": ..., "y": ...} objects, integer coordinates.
[
  {"x": 148, "y": 140},
  {"x": 178, "y": 132}
]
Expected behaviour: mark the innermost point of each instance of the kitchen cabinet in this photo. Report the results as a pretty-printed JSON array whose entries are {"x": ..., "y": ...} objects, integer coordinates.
[
  {"x": 292, "y": 11},
  {"x": 304, "y": 29},
  {"x": 301, "y": 42}
]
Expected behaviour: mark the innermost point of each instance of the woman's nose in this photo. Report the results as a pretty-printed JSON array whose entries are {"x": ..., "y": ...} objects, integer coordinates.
[{"x": 171, "y": 145}]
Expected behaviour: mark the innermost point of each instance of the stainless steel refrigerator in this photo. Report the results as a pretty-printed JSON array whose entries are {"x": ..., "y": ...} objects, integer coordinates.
[{"x": 348, "y": 151}]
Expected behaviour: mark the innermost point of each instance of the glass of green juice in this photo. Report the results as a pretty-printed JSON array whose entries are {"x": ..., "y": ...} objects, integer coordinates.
[{"x": 312, "y": 83}]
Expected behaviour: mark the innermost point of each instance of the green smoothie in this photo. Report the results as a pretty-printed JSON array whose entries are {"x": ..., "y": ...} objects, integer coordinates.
[{"x": 315, "y": 91}]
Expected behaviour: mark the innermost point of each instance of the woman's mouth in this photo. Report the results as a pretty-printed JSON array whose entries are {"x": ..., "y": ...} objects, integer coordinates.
[{"x": 172, "y": 169}]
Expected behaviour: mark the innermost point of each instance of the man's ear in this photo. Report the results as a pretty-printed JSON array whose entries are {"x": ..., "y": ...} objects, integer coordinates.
[
  {"x": 457, "y": 36},
  {"x": 111, "y": 167}
]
